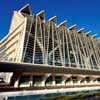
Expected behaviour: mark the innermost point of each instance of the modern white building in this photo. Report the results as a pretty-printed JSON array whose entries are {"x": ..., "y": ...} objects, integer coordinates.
[{"x": 40, "y": 54}]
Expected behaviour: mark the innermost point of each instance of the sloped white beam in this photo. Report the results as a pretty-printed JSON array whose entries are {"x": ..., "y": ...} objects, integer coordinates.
[
  {"x": 62, "y": 23},
  {"x": 87, "y": 33},
  {"x": 27, "y": 6},
  {"x": 41, "y": 14},
  {"x": 73, "y": 27},
  {"x": 53, "y": 19},
  {"x": 80, "y": 31},
  {"x": 94, "y": 36}
]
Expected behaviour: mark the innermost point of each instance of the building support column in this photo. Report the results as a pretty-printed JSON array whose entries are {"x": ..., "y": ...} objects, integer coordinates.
[
  {"x": 31, "y": 80},
  {"x": 44, "y": 79},
  {"x": 63, "y": 80},
  {"x": 53, "y": 82},
  {"x": 17, "y": 81}
]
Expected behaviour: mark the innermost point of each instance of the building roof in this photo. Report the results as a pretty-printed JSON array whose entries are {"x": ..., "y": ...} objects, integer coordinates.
[
  {"x": 73, "y": 27},
  {"x": 53, "y": 19},
  {"x": 26, "y": 9},
  {"x": 81, "y": 30},
  {"x": 94, "y": 36},
  {"x": 62, "y": 23},
  {"x": 41, "y": 14}
]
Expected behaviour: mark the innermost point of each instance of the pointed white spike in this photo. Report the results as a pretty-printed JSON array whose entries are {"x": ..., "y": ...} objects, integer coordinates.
[
  {"x": 53, "y": 19},
  {"x": 62, "y": 23},
  {"x": 94, "y": 36},
  {"x": 27, "y": 8},
  {"x": 72, "y": 27},
  {"x": 41, "y": 14},
  {"x": 88, "y": 33},
  {"x": 24, "y": 7},
  {"x": 81, "y": 30}
]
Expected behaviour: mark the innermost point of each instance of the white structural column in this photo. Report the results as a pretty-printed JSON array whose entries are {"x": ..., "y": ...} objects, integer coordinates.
[
  {"x": 53, "y": 82},
  {"x": 70, "y": 33},
  {"x": 64, "y": 80},
  {"x": 80, "y": 53},
  {"x": 40, "y": 38},
  {"x": 48, "y": 25},
  {"x": 92, "y": 53},
  {"x": 35, "y": 39},
  {"x": 96, "y": 51},
  {"x": 96, "y": 54},
  {"x": 86, "y": 57},
  {"x": 88, "y": 53},
  {"x": 29, "y": 23},
  {"x": 64, "y": 45},
  {"x": 77, "y": 49},
  {"x": 83, "y": 48},
  {"x": 44, "y": 41},
  {"x": 52, "y": 27},
  {"x": 66, "y": 36},
  {"x": 52, "y": 22},
  {"x": 31, "y": 80},
  {"x": 71, "y": 82},
  {"x": 61, "y": 33},
  {"x": 44, "y": 79},
  {"x": 16, "y": 84},
  {"x": 60, "y": 45}
]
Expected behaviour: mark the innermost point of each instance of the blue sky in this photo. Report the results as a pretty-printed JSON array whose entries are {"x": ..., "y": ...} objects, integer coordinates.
[{"x": 84, "y": 13}]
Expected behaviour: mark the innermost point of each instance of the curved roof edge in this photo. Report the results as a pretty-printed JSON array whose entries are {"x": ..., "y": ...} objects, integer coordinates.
[
  {"x": 26, "y": 9},
  {"x": 62, "y": 23},
  {"x": 72, "y": 27},
  {"x": 53, "y": 19}
]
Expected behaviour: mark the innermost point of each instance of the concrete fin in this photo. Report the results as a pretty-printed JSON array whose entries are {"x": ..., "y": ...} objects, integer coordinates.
[
  {"x": 94, "y": 36},
  {"x": 41, "y": 14},
  {"x": 26, "y": 9},
  {"x": 80, "y": 31},
  {"x": 53, "y": 19},
  {"x": 73, "y": 27},
  {"x": 62, "y": 23},
  {"x": 87, "y": 33}
]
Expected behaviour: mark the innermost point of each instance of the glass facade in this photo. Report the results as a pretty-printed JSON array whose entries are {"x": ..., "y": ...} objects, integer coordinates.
[
  {"x": 43, "y": 42},
  {"x": 46, "y": 43}
]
